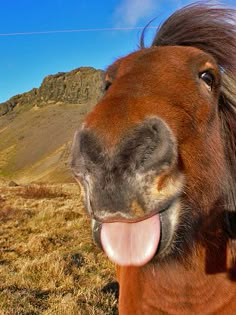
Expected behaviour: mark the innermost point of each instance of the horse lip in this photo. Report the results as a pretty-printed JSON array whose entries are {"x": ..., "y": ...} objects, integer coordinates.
[
  {"x": 111, "y": 219},
  {"x": 122, "y": 219}
]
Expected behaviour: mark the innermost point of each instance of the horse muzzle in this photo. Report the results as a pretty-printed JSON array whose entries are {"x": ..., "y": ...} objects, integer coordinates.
[{"x": 134, "y": 185}]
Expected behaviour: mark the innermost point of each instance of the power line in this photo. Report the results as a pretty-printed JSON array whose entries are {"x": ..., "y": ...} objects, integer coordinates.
[{"x": 77, "y": 31}]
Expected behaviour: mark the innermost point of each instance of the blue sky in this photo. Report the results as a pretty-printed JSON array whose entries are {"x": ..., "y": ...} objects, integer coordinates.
[{"x": 27, "y": 58}]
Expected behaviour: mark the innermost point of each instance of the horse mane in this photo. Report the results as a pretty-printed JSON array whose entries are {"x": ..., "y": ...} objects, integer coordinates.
[{"x": 213, "y": 30}]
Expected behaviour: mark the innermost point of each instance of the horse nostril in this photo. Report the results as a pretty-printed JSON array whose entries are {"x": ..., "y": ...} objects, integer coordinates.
[
  {"x": 150, "y": 145},
  {"x": 86, "y": 153}
]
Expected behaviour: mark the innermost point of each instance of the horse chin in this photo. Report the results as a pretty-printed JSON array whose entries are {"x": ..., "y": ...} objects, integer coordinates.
[{"x": 162, "y": 240}]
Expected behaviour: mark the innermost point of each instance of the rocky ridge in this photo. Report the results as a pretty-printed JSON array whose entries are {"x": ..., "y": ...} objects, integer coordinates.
[{"x": 79, "y": 86}]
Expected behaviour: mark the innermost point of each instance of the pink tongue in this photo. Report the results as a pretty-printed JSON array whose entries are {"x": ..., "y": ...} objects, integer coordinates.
[{"x": 131, "y": 243}]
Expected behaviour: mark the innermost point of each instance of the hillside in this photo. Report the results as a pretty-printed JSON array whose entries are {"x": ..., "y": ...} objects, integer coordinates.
[{"x": 37, "y": 127}]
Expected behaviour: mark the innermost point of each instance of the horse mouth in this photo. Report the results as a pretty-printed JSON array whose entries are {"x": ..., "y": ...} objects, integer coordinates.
[{"x": 137, "y": 242}]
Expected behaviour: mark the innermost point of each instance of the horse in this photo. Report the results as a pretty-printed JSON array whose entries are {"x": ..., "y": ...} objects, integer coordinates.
[{"x": 156, "y": 163}]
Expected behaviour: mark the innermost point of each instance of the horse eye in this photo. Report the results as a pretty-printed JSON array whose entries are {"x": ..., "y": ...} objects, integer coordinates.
[
  {"x": 208, "y": 78},
  {"x": 107, "y": 85}
]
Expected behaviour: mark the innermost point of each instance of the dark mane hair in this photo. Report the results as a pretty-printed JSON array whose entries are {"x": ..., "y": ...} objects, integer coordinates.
[{"x": 213, "y": 30}]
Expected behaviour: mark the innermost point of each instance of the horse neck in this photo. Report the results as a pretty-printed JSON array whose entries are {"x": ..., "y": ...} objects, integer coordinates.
[{"x": 205, "y": 282}]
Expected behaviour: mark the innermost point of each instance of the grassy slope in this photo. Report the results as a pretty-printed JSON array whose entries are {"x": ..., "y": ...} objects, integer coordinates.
[
  {"x": 35, "y": 143},
  {"x": 48, "y": 263}
]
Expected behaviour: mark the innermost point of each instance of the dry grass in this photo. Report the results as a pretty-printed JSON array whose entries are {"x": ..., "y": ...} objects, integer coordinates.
[
  {"x": 41, "y": 192},
  {"x": 48, "y": 263}
]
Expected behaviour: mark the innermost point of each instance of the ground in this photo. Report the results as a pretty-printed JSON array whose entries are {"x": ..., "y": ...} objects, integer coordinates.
[{"x": 48, "y": 262}]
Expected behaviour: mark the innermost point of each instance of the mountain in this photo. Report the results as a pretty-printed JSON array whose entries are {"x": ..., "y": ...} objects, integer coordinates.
[{"x": 37, "y": 127}]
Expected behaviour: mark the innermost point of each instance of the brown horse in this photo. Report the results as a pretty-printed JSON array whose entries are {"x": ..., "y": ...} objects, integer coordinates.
[{"x": 156, "y": 160}]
